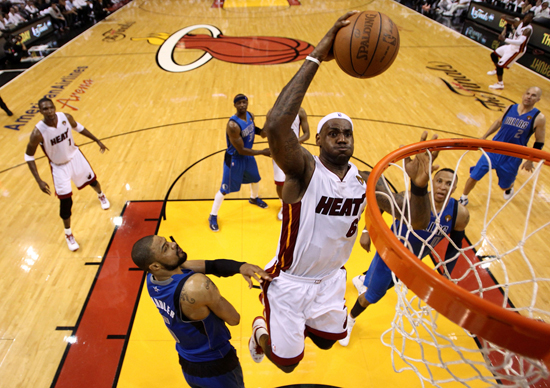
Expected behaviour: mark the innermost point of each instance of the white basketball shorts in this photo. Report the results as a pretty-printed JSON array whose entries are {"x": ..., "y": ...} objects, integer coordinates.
[
  {"x": 508, "y": 55},
  {"x": 77, "y": 169},
  {"x": 295, "y": 305}
]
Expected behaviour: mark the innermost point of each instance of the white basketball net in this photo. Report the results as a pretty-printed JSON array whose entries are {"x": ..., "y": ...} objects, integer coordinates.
[{"x": 439, "y": 351}]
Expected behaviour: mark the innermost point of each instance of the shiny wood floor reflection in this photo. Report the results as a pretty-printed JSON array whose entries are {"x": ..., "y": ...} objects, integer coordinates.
[{"x": 158, "y": 123}]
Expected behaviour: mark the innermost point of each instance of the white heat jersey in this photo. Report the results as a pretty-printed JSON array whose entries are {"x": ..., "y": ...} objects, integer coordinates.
[
  {"x": 318, "y": 233},
  {"x": 58, "y": 143},
  {"x": 518, "y": 34}
]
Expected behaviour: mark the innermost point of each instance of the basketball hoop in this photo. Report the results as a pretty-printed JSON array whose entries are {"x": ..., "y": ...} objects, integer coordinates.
[{"x": 497, "y": 327}]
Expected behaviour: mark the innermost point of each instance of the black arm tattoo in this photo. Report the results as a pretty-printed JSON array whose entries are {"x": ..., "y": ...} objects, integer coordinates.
[{"x": 184, "y": 298}]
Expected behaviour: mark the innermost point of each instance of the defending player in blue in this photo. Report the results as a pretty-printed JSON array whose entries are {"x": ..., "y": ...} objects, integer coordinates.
[
  {"x": 517, "y": 125},
  {"x": 453, "y": 221},
  {"x": 239, "y": 165},
  {"x": 194, "y": 310}
]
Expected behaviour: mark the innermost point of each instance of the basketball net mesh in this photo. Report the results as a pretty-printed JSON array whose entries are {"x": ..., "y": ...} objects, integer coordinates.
[{"x": 439, "y": 351}]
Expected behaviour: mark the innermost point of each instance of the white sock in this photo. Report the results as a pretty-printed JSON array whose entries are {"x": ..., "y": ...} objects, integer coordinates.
[
  {"x": 100, "y": 194},
  {"x": 218, "y": 199},
  {"x": 254, "y": 190},
  {"x": 68, "y": 231}
]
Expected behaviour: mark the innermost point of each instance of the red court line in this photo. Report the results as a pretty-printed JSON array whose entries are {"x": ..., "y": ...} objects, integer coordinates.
[{"x": 94, "y": 360}]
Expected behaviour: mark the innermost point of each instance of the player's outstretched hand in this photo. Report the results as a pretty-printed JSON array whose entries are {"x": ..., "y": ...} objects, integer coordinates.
[
  {"x": 102, "y": 147},
  {"x": 44, "y": 187},
  {"x": 527, "y": 165},
  {"x": 323, "y": 51},
  {"x": 418, "y": 168},
  {"x": 250, "y": 271}
]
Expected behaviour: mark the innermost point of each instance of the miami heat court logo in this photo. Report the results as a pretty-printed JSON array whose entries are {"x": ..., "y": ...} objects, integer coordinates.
[{"x": 245, "y": 50}]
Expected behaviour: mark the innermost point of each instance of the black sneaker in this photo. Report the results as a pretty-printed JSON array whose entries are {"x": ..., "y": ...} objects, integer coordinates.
[
  {"x": 258, "y": 202},
  {"x": 213, "y": 221}
]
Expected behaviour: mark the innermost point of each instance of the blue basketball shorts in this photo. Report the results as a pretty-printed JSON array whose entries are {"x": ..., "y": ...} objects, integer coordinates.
[
  {"x": 506, "y": 167},
  {"x": 238, "y": 170},
  {"x": 232, "y": 379}
]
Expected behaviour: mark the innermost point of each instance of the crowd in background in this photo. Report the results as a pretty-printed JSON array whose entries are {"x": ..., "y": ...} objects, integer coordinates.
[
  {"x": 64, "y": 15},
  {"x": 458, "y": 7}
]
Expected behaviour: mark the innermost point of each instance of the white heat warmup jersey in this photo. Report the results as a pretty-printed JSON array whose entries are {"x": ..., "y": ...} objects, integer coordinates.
[
  {"x": 58, "y": 143},
  {"x": 519, "y": 33},
  {"x": 318, "y": 233}
]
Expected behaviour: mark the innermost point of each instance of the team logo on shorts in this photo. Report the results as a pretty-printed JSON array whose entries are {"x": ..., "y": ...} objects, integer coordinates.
[
  {"x": 448, "y": 217},
  {"x": 64, "y": 122},
  {"x": 360, "y": 179}
]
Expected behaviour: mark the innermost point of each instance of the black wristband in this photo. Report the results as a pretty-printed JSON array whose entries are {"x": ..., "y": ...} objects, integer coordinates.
[
  {"x": 418, "y": 191},
  {"x": 257, "y": 130},
  {"x": 538, "y": 145},
  {"x": 222, "y": 267}
]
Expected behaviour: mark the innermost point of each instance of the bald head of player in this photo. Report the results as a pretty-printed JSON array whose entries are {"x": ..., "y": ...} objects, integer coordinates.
[
  {"x": 531, "y": 96},
  {"x": 335, "y": 138}
]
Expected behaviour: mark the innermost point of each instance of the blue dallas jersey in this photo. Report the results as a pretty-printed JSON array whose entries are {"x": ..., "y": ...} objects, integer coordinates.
[
  {"x": 196, "y": 341},
  {"x": 247, "y": 133},
  {"x": 516, "y": 128},
  {"x": 432, "y": 234}
]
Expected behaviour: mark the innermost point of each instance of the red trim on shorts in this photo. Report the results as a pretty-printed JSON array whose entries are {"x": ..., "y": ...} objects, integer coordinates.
[
  {"x": 94, "y": 178},
  {"x": 64, "y": 195},
  {"x": 325, "y": 335},
  {"x": 511, "y": 59},
  {"x": 277, "y": 183},
  {"x": 287, "y": 361}
]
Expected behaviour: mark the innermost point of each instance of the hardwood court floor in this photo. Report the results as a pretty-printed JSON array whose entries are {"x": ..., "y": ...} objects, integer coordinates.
[{"x": 158, "y": 123}]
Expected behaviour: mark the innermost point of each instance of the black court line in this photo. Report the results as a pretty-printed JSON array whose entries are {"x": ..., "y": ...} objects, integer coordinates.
[
  {"x": 63, "y": 328},
  {"x": 117, "y": 336},
  {"x": 92, "y": 263},
  {"x": 460, "y": 135}
]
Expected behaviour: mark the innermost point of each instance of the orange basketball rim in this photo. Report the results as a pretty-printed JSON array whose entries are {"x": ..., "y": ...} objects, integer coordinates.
[{"x": 504, "y": 328}]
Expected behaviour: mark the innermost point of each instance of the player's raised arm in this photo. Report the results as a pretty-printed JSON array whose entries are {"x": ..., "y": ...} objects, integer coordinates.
[{"x": 294, "y": 160}]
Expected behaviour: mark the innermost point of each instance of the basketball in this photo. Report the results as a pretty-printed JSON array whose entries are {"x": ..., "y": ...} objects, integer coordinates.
[{"x": 367, "y": 46}]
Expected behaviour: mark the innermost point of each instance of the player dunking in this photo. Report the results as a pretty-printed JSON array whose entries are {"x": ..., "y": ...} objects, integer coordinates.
[
  {"x": 278, "y": 174},
  {"x": 323, "y": 200},
  {"x": 54, "y": 134}
]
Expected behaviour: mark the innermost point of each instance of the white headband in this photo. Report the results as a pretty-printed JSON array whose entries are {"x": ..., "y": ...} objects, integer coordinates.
[{"x": 335, "y": 115}]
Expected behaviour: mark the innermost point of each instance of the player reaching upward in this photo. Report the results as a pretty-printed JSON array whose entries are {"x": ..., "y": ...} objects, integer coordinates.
[
  {"x": 278, "y": 174},
  {"x": 450, "y": 218},
  {"x": 323, "y": 200}
]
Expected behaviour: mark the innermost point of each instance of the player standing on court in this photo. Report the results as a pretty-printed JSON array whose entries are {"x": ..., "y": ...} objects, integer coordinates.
[
  {"x": 239, "y": 164},
  {"x": 516, "y": 126},
  {"x": 323, "y": 200},
  {"x": 54, "y": 134}
]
